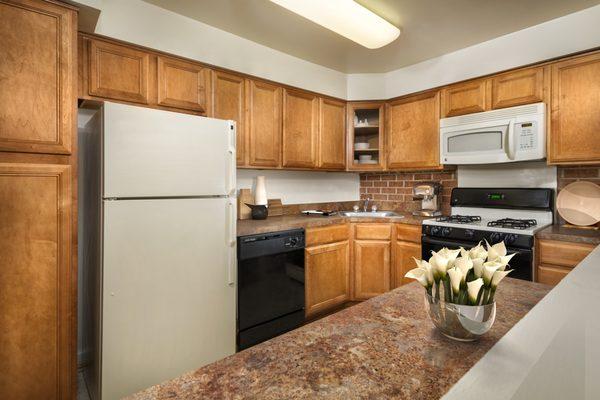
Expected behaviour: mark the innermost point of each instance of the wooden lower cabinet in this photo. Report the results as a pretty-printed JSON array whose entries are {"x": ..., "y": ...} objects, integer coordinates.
[
  {"x": 555, "y": 259},
  {"x": 37, "y": 350},
  {"x": 327, "y": 276},
  {"x": 403, "y": 261},
  {"x": 371, "y": 268}
]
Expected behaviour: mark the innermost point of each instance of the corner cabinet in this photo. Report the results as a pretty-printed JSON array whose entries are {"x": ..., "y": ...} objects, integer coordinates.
[
  {"x": 555, "y": 259},
  {"x": 412, "y": 132},
  {"x": 300, "y": 129},
  {"x": 574, "y": 136},
  {"x": 365, "y": 138}
]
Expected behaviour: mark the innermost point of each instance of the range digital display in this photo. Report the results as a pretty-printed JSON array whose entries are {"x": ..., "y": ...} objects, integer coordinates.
[{"x": 496, "y": 196}]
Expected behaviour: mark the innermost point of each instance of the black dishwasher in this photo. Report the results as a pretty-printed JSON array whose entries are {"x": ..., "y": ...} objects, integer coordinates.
[{"x": 270, "y": 297}]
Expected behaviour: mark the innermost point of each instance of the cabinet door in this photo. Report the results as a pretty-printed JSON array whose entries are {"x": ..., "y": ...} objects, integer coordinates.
[
  {"x": 300, "y": 129},
  {"x": 36, "y": 277},
  {"x": 550, "y": 274},
  {"x": 228, "y": 103},
  {"x": 37, "y": 76},
  {"x": 465, "y": 98},
  {"x": 403, "y": 261},
  {"x": 517, "y": 88},
  {"x": 413, "y": 132},
  {"x": 263, "y": 102},
  {"x": 327, "y": 276},
  {"x": 332, "y": 134},
  {"x": 183, "y": 84},
  {"x": 575, "y": 127},
  {"x": 118, "y": 72},
  {"x": 371, "y": 268}
]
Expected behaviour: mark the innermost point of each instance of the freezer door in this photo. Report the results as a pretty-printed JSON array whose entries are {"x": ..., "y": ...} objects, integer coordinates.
[
  {"x": 155, "y": 153},
  {"x": 168, "y": 289}
]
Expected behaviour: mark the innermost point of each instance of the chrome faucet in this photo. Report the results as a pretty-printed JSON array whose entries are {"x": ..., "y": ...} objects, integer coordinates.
[{"x": 366, "y": 204}]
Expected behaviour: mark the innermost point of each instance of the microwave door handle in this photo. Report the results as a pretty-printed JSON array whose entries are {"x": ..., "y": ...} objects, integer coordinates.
[{"x": 510, "y": 148}]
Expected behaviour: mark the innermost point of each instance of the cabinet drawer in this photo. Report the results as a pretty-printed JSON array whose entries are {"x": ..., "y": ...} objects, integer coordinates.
[
  {"x": 551, "y": 275},
  {"x": 327, "y": 234},
  {"x": 373, "y": 231},
  {"x": 409, "y": 233},
  {"x": 563, "y": 253}
]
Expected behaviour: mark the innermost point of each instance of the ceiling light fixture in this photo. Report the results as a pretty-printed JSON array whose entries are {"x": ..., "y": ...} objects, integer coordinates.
[{"x": 346, "y": 18}]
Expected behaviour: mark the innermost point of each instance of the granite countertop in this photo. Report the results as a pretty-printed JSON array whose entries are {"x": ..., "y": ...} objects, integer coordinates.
[
  {"x": 385, "y": 347},
  {"x": 284, "y": 222},
  {"x": 565, "y": 234}
]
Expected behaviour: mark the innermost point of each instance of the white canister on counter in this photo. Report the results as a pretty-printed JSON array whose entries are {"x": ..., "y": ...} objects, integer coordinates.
[{"x": 260, "y": 192}]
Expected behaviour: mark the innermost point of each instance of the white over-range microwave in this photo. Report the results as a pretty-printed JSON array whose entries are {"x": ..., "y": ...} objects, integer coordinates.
[{"x": 498, "y": 136}]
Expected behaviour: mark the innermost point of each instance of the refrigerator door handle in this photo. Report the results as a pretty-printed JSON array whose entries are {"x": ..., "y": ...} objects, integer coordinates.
[
  {"x": 231, "y": 242},
  {"x": 231, "y": 153}
]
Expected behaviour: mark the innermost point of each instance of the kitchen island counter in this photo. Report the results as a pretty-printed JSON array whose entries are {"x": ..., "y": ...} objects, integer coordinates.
[{"x": 385, "y": 347}]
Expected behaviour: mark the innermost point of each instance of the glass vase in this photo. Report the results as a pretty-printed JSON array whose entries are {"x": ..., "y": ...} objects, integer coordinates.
[{"x": 460, "y": 322}]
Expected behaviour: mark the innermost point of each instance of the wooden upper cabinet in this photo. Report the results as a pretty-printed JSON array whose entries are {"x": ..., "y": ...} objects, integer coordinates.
[
  {"x": 300, "y": 129},
  {"x": 465, "y": 98},
  {"x": 37, "y": 76},
  {"x": 517, "y": 88},
  {"x": 365, "y": 137},
  {"x": 413, "y": 132},
  {"x": 403, "y": 261},
  {"x": 263, "y": 104},
  {"x": 327, "y": 271},
  {"x": 332, "y": 134},
  {"x": 36, "y": 278},
  {"x": 228, "y": 103},
  {"x": 118, "y": 72},
  {"x": 575, "y": 125},
  {"x": 183, "y": 84},
  {"x": 371, "y": 268}
]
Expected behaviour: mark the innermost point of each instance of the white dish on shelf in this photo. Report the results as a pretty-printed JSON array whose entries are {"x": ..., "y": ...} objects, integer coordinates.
[
  {"x": 365, "y": 157},
  {"x": 361, "y": 146},
  {"x": 579, "y": 203}
]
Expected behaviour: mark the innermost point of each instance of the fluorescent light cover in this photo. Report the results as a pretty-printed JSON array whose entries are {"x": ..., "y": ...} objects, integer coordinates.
[{"x": 346, "y": 18}]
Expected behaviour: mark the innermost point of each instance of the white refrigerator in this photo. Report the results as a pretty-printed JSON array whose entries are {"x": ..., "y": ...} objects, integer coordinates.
[{"x": 168, "y": 254}]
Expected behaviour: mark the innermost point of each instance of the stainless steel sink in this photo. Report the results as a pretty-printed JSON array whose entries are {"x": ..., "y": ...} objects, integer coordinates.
[{"x": 369, "y": 214}]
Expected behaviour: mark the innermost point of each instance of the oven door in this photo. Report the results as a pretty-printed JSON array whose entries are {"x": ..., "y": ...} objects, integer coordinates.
[
  {"x": 478, "y": 143},
  {"x": 521, "y": 263}
]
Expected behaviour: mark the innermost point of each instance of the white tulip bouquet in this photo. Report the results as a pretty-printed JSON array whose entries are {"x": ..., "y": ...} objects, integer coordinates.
[{"x": 468, "y": 277}]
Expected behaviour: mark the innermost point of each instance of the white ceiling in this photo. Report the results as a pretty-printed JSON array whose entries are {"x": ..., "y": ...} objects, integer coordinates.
[{"x": 430, "y": 28}]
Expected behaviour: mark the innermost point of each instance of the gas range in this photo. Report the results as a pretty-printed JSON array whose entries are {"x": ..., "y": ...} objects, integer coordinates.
[{"x": 492, "y": 215}]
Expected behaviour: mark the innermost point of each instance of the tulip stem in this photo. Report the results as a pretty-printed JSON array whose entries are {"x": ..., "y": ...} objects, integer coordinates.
[
  {"x": 447, "y": 291},
  {"x": 491, "y": 296}
]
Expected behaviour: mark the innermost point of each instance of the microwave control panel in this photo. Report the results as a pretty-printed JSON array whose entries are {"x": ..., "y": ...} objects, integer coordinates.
[{"x": 527, "y": 135}]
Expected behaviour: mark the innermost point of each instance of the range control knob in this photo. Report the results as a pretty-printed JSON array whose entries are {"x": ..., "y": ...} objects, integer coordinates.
[
  {"x": 293, "y": 242},
  {"x": 435, "y": 230},
  {"x": 496, "y": 237},
  {"x": 511, "y": 238},
  {"x": 446, "y": 231},
  {"x": 469, "y": 233}
]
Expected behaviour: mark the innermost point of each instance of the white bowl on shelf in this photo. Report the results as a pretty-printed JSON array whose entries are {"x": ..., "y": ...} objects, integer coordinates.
[
  {"x": 365, "y": 157},
  {"x": 361, "y": 146}
]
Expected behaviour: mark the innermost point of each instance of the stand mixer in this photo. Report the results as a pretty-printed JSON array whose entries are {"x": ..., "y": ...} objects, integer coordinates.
[{"x": 429, "y": 194}]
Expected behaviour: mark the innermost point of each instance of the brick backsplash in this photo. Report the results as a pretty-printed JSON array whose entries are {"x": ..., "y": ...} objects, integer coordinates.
[
  {"x": 567, "y": 175},
  {"x": 393, "y": 190}
]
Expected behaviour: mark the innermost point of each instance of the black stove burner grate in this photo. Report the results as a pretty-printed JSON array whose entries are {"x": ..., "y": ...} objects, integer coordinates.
[
  {"x": 513, "y": 223},
  {"x": 460, "y": 219}
]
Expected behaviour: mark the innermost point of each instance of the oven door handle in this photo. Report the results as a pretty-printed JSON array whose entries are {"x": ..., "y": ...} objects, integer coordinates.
[{"x": 466, "y": 245}]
